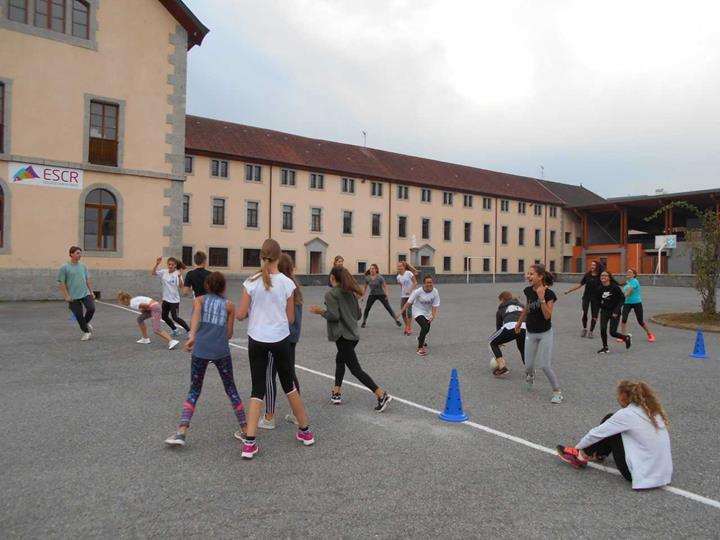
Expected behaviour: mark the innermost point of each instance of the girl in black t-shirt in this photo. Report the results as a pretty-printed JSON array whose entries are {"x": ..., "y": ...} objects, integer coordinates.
[
  {"x": 591, "y": 282},
  {"x": 611, "y": 299},
  {"x": 537, "y": 316}
]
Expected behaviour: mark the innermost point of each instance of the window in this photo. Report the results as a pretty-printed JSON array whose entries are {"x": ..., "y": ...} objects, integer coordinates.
[
  {"x": 253, "y": 173},
  {"x": 287, "y": 217},
  {"x": 447, "y": 230},
  {"x": 468, "y": 201},
  {"x": 188, "y": 164},
  {"x": 18, "y": 11},
  {"x": 2, "y": 118},
  {"x": 446, "y": 264},
  {"x": 186, "y": 209},
  {"x": 425, "y": 195},
  {"x": 553, "y": 211},
  {"x": 316, "y": 219},
  {"x": 487, "y": 203},
  {"x": 287, "y": 177},
  {"x": 2, "y": 218},
  {"x": 402, "y": 257},
  {"x": 100, "y": 221},
  {"x": 521, "y": 265},
  {"x": 578, "y": 241},
  {"x": 537, "y": 237},
  {"x": 251, "y": 214},
  {"x": 447, "y": 198},
  {"x": 347, "y": 222},
  {"x": 521, "y": 236},
  {"x": 50, "y": 14},
  {"x": 376, "y": 189},
  {"x": 486, "y": 234},
  {"x": 81, "y": 19},
  {"x": 503, "y": 265},
  {"x": 103, "y": 147},
  {"x": 219, "y": 168},
  {"x": 187, "y": 255},
  {"x": 317, "y": 181},
  {"x": 538, "y": 209},
  {"x": 348, "y": 185},
  {"x": 552, "y": 266},
  {"x": 504, "y": 235},
  {"x": 486, "y": 264},
  {"x": 552, "y": 239},
  {"x": 468, "y": 231},
  {"x": 568, "y": 238},
  {"x": 291, "y": 253},
  {"x": 218, "y": 212},
  {"x": 375, "y": 225},
  {"x": 467, "y": 264},
  {"x": 537, "y": 261},
  {"x": 425, "y": 228},
  {"x": 361, "y": 267},
  {"x": 522, "y": 207},
  {"x": 403, "y": 192},
  {"x": 504, "y": 205},
  {"x": 402, "y": 227},
  {"x": 251, "y": 258}
]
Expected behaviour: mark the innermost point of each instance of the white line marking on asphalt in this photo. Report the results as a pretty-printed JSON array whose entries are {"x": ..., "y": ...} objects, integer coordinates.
[{"x": 677, "y": 491}]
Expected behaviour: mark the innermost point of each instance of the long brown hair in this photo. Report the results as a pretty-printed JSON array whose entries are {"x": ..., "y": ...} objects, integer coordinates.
[
  {"x": 642, "y": 395},
  {"x": 375, "y": 266},
  {"x": 546, "y": 276},
  {"x": 345, "y": 280},
  {"x": 287, "y": 267},
  {"x": 179, "y": 265},
  {"x": 409, "y": 266},
  {"x": 269, "y": 253}
]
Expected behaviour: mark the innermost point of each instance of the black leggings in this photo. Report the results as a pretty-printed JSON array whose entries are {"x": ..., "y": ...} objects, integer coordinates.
[
  {"x": 378, "y": 298},
  {"x": 76, "y": 306},
  {"x": 637, "y": 308},
  {"x": 593, "y": 303},
  {"x": 606, "y": 318},
  {"x": 170, "y": 309},
  {"x": 424, "y": 330},
  {"x": 506, "y": 335},
  {"x": 611, "y": 445},
  {"x": 259, "y": 352},
  {"x": 346, "y": 357},
  {"x": 271, "y": 384}
]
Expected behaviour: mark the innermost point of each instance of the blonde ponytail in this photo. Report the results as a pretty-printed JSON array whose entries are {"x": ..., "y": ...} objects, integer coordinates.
[{"x": 269, "y": 253}]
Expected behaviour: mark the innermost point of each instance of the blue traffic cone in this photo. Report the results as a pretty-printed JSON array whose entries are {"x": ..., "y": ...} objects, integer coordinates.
[
  {"x": 699, "y": 350},
  {"x": 73, "y": 317},
  {"x": 453, "y": 406}
]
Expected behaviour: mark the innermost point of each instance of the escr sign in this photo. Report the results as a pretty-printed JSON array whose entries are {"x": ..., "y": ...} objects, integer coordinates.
[{"x": 30, "y": 174}]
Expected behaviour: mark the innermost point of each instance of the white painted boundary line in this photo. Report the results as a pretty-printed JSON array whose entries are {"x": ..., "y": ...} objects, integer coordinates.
[{"x": 677, "y": 491}]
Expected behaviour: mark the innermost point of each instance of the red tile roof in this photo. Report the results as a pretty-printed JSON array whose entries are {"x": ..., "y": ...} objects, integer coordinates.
[{"x": 205, "y": 136}]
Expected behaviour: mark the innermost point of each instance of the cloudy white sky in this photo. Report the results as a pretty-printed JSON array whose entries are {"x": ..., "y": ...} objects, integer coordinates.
[{"x": 623, "y": 97}]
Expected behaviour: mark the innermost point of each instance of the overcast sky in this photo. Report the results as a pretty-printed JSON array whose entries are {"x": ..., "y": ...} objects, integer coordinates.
[{"x": 620, "y": 96}]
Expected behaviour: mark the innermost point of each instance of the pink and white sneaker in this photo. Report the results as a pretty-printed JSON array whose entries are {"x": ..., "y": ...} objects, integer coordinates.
[
  {"x": 305, "y": 437},
  {"x": 249, "y": 450}
]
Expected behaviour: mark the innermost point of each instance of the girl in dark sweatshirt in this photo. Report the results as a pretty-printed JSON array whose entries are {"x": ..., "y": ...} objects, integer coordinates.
[{"x": 611, "y": 301}]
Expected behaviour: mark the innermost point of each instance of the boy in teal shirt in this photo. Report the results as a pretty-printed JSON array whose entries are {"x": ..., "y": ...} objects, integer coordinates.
[
  {"x": 633, "y": 302},
  {"x": 75, "y": 285}
]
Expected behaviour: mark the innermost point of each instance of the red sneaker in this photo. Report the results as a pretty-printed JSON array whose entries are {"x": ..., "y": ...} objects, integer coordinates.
[
  {"x": 651, "y": 337},
  {"x": 408, "y": 331},
  {"x": 620, "y": 340},
  {"x": 421, "y": 352},
  {"x": 571, "y": 455}
]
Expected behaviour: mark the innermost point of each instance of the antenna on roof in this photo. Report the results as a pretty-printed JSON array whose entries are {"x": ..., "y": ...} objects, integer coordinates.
[
  {"x": 542, "y": 172},
  {"x": 364, "y": 139}
]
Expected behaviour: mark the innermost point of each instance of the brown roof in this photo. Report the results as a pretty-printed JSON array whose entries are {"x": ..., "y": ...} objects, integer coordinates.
[
  {"x": 572, "y": 195},
  {"x": 210, "y": 137},
  {"x": 196, "y": 30}
]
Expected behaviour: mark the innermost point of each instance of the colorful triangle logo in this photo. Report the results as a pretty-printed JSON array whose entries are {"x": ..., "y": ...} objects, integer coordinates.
[{"x": 26, "y": 173}]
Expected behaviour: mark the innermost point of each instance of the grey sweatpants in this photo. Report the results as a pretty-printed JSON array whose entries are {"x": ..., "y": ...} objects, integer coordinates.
[{"x": 538, "y": 350}]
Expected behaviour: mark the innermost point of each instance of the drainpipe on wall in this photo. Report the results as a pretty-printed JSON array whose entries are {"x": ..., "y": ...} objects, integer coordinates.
[
  {"x": 270, "y": 205},
  {"x": 390, "y": 222},
  {"x": 546, "y": 233},
  {"x": 495, "y": 260}
]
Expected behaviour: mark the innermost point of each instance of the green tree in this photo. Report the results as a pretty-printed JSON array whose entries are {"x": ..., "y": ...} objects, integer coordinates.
[{"x": 704, "y": 250}]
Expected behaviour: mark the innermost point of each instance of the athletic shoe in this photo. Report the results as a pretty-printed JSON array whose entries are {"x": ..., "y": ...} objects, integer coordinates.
[
  {"x": 290, "y": 418},
  {"x": 529, "y": 381},
  {"x": 264, "y": 423},
  {"x": 240, "y": 435},
  {"x": 421, "y": 352},
  {"x": 557, "y": 398},
  {"x": 175, "y": 332},
  {"x": 305, "y": 437},
  {"x": 604, "y": 350},
  {"x": 249, "y": 449},
  {"x": 590, "y": 335},
  {"x": 583, "y": 333},
  {"x": 501, "y": 372},
  {"x": 173, "y": 343},
  {"x": 620, "y": 340},
  {"x": 397, "y": 321},
  {"x": 651, "y": 337},
  {"x": 571, "y": 455},
  {"x": 408, "y": 331},
  {"x": 143, "y": 341},
  {"x": 362, "y": 325},
  {"x": 86, "y": 336},
  {"x": 177, "y": 439},
  {"x": 336, "y": 399},
  {"x": 382, "y": 402},
  {"x": 628, "y": 341}
]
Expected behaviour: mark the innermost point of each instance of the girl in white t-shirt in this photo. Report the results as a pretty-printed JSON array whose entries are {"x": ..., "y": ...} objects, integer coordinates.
[
  {"x": 267, "y": 301},
  {"x": 425, "y": 302},
  {"x": 149, "y": 309},
  {"x": 407, "y": 281},
  {"x": 172, "y": 282}
]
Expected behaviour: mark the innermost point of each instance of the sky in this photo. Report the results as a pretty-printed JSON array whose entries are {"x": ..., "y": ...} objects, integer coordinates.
[{"x": 621, "y": 97}]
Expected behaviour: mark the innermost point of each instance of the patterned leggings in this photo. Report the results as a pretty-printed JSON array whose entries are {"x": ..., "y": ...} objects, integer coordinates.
[{"x": 197, "y": 376}]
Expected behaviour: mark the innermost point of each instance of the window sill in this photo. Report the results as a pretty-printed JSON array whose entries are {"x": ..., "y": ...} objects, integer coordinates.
[{"x": 95, "y": 253}]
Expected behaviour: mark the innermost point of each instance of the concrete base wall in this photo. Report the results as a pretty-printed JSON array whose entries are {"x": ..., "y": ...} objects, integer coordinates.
[{"x": 663, "y": 280}]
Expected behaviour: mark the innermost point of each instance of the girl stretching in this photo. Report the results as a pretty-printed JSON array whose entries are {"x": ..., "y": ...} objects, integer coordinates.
[
  {"x": 172, "y": 283},
  {"x": 611, "y": 300},
  {"x": 212, "y": 326},
  {"x": 149, "y": 309},
  {"x": 342, "y": 313},
  {"x": 378, "y": 292},
  {"x": 406, "y": 278},
  {"x": 286, "y": 266},
  {"x": 268, "y": 303},
  {"x": 426, "y": 301},
  {"x": 507, "y": 315},
  {"x": 633, "y": 302},
  {"x": 636, "y": 436},
  {"x": 591, "y": 282},
  {"x": 537, "y": 315}
]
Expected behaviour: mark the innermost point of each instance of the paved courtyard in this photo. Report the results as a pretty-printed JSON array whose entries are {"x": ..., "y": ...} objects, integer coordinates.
[{"x": 84, "y": 423}]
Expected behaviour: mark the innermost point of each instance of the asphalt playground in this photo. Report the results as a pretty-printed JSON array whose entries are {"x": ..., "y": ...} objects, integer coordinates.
[{"x": 83, "y": 425}]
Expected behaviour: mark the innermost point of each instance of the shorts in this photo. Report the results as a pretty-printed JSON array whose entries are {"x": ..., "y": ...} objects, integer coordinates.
[{"x": 154, "y": 314}]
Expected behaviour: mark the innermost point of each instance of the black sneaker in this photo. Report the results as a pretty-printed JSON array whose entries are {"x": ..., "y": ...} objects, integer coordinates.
[
  {"x": 500, "y": 372},
  {"x": 178, "y": 439},
  {"x": 397, "y": 321},
  {"x": 382, "y": 402},
  {"x": 336, "y": 399},
  {"x": 604, "y": 350},
  {"x": 628, "y": 341},
  {"x": 362, "y": 325}
]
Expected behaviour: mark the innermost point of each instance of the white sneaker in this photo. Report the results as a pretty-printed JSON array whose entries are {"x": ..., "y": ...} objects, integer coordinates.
[
  {"x": 86, "y": 336},
  {"x": 143, "y": 341},
  {"x": 291, "y": 419},
  {"x": 264, "y": 423},
  {"x": 173, "y": 343}
]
